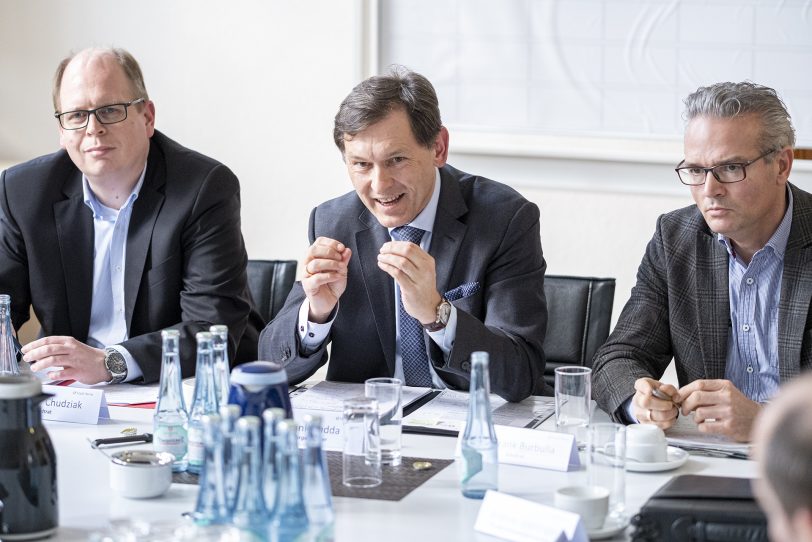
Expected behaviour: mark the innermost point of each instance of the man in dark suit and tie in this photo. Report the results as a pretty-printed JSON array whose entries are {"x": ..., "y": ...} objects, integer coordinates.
[
  {"x": 724, "y": 287},
  {"x": 420, "y": 266},
  {"x": 119, "y": 235}
]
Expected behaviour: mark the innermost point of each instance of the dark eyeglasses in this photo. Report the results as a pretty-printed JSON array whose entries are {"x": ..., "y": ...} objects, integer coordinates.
[
  {"x": 106, "y": 114},
  {"x": 724, "y": 173}
]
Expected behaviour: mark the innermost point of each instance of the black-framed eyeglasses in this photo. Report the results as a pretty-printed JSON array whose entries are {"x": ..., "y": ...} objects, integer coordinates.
[
  {"x": 724, "y": 173},
  {"x": 106, "y": 114}
]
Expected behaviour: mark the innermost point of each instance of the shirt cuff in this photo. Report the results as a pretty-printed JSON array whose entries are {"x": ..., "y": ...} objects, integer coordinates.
[
  {"x": 133, "y": 370},
  {"x": 627, "y": 407},
  {"x": 444, "y": 338},
  {"x": 311, "y": 334}
]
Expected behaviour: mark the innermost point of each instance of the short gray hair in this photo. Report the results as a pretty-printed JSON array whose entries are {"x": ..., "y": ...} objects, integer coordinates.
[
  {"x": 122, "y": 57},
  {"x": 788, "y": 459},
  {"x": 729, "y": 100},
  {"x": 374, "y": 98}
]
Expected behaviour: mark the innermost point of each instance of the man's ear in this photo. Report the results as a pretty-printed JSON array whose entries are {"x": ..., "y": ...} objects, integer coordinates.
[{"x": 441, "y": 148}]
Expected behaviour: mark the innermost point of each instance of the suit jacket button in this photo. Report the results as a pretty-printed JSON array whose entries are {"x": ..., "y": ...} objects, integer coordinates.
[{"x": 466, "y": 366}]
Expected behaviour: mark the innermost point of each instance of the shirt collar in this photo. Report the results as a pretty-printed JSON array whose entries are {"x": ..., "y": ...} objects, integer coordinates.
[
  {"x": 102, "y": 211},
  {"x": 425, "y": 219},
  {"x": 780, "y": 237}
]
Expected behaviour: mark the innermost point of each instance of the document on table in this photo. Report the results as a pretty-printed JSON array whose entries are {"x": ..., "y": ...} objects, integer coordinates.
[
  {"x": 685, "y": 434},
  {"x": 447, "y": 412},
  {"x": 330, "y": 396}
]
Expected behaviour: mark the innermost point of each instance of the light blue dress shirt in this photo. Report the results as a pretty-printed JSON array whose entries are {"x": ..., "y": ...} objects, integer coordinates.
[
  {"x": 313, "y": 334},
  {"x": 108, "y": 323},
  {"x": 755, "y": 290}
]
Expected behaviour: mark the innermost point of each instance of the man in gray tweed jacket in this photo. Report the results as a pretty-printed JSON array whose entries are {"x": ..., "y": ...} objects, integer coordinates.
[{"x": 724, "y": 287}]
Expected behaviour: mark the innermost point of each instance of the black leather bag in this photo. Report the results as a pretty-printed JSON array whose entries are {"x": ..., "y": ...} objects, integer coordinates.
[{"x": 701, "y": 509}]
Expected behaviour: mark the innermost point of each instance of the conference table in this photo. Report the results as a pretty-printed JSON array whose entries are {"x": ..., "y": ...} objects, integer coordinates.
[{"x": 434, "y": 511}]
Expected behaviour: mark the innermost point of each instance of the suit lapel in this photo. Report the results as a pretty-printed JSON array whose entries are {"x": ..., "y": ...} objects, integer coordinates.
[
  {"x": 712, "y": 303},
  {"x": 379, "y": 286},
  {"x": 142, "y": 222},
  {"x": 74, "y": 229},
  {"x": 448, "y": 232}
]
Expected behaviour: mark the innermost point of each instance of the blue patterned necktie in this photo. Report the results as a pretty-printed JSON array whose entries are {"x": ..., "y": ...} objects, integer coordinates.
[{"x": 412, "y": 345}]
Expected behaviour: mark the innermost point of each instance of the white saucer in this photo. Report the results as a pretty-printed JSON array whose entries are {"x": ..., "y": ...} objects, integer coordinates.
[
  {"x": 611, "y": 527},
  {"x": 676, "y": 458}
]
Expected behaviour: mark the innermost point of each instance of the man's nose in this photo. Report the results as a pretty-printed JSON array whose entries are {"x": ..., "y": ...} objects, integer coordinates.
[
  {"x": 94, "y": 126},
  {"x": 712, "y": 186}
]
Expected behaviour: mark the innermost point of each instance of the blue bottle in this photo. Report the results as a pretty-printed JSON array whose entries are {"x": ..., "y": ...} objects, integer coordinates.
[
  {"x": 204, "y": 400},
  {"x": 259, "y": 385},
  {"x": 249, "y": 511},
  {"x": 270, "y": 468},
  {"x": 289, "y": 521},
  {"x": 170, "y": 421},
  {"x": 222, "y": 368},
  {"x": 211, "y": 508},
  {"x": 316, "y": 481},
  {"x": 479, "y": 470}
]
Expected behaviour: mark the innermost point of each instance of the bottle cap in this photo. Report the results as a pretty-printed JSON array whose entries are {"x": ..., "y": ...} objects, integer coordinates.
[{"x": 259, "y": 373}]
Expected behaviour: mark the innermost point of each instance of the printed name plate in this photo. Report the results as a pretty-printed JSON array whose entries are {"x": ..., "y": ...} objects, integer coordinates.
[
  {"x": 332, "y": 426},
  {"x": 77, "y": 405},
  {"x": 520, "y": 520},
  {"x": 533, "y": 448}
]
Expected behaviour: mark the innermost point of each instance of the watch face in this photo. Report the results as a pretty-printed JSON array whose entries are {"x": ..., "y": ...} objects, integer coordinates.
[
  {"x": 115, "y": 362},
  {"x": 444, "y": 312}
]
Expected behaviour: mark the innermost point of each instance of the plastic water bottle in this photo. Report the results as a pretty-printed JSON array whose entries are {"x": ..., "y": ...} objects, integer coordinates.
[
  {"x": 479, "y": 470},
  {"x": 170, "y": 422},
  {"x": 204, "y": 400}
]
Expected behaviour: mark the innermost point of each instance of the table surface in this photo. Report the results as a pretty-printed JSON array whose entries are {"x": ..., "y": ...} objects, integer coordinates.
[{"x": 434, "y": 511}]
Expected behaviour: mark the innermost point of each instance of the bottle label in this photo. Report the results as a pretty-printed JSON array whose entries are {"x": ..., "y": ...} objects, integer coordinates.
[
  {"x": 172, "y": 439},
  {"x": 195, "y": 446}
]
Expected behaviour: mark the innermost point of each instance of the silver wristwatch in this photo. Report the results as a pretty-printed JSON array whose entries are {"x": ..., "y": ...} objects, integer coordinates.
[
  {"x": 116, "y": 364},
  {"x": 443, "y": 314}
]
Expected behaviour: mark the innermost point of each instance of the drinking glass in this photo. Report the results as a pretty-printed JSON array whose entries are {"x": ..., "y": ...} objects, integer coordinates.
[
  {"x": 388, "y": 393},
  {"x": 606, "y": 464},
  {"x": 362, "y": 444},
  {"x": 573, "y": 398}
]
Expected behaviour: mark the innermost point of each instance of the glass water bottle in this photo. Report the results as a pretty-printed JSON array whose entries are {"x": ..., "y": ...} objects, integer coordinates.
[
  {"x": 479, "y": 465},
  {"x": 222, "y": 368},
  {"x": 170, "y": 422},
  {"x": 8, "y": 348},
  {"x": 204, "y": 400}
]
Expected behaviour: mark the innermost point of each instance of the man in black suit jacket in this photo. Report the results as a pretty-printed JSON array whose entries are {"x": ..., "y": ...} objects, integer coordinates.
[
  {"x": 472, "y": 279},
  {"x": 119, "y": 235}
]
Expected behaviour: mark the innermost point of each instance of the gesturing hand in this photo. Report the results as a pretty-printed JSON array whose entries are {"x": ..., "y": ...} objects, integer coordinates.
[
  {"x": 647, "y": 408},
  {"x": 413, "y": 269},
  {"x": 719, "y": 408},
  {"x": 325, "y": 276},
  {"x": 77, "y": 360}
]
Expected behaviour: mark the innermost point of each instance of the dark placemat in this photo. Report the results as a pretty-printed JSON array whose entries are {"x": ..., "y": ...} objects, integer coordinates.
[{"x": 397, "y": 481}]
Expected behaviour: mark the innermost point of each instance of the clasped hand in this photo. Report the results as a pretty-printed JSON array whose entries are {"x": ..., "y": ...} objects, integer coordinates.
[
  {"x": 718, "y": 407},
  {"x": 325, "y": 277}
]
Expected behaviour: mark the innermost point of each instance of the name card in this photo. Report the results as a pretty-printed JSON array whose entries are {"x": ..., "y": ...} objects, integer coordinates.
[
  {"x": 532, "y": 448},
  {"x": 520, "y": 520},
  {"x": 332, "y": 428},
  {"x": 76, "y": 405},
  {"x": 540, "y": 449}
]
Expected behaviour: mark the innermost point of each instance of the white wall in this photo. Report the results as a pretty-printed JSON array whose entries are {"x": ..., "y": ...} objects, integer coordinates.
[{"x": 256, "y": 83}]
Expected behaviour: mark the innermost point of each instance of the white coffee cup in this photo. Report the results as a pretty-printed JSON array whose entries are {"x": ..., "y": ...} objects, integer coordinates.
[
  {"x": 589, "y": 502},
  {"x": 646, "y": 443}
]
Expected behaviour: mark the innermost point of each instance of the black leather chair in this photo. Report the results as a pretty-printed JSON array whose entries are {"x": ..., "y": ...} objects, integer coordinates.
[
  {"x": 270, "y": 282},
  {"x": 579, "y": 312}
]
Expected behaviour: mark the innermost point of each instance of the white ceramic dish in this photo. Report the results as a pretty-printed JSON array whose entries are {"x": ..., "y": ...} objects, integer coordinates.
[
  {"x": 676, "y": 458},
  {"x": 611, "y": 527},
  {"x": 141, "y": 474}
]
